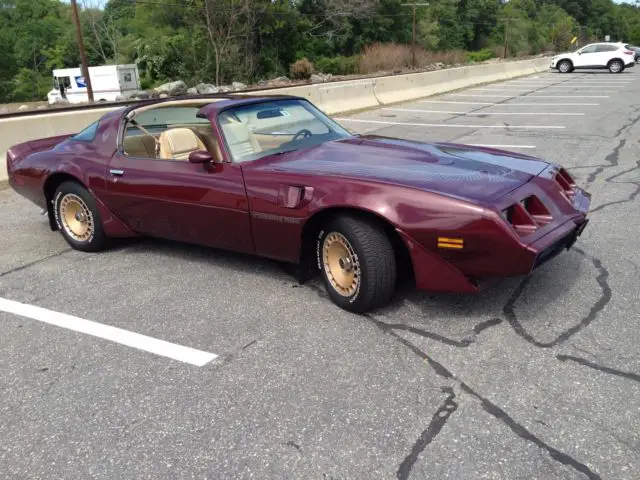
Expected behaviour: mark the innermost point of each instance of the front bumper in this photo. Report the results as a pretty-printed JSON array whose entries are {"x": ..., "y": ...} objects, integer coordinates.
[{"x": 563, "y": 243}]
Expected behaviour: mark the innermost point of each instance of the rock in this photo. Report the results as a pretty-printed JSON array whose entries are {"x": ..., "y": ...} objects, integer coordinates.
[
  {"x": 163, "y": 95},
  {"x": 23, "y": 107},
  {"x": 238, "y": 86},
  {"x": 207, "y": 89},
  {"x": 281, "y": 79},
  {"x": 328, "y": 77},
  {"x": 225, "y": 89},
  {"x": 172, "y": 88},
  {"x": 192, "y": 91},
  {"x": 315, "y": 78},
  {"x": 41, "y": 107},
  {"x": 133, "y": 95}
]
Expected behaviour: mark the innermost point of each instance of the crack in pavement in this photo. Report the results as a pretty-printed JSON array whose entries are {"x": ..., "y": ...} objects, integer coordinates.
[
  {"x": 438, "y": 420},
  {"x": 598, "y": 306},
  {"x": 35, "y": 262},
  {"x": 613, "y": 158},
  {"x": 525, "y": 434},
  {"x": 631, "y": 197},
  {"x": 465, "y": 342},
  {"x": 587, "y": 363},
  {"x": 488, "y": 406}
]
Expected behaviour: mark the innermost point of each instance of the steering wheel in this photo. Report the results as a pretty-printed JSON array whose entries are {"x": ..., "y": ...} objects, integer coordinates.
[{"x": 304, "y": 133}]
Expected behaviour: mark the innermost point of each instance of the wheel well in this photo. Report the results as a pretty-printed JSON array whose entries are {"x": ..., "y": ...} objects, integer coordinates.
[
  {"x": 613, "y": 60},
  {"x": 313, "y": 226},
  {"x": 50, "y": 186}
]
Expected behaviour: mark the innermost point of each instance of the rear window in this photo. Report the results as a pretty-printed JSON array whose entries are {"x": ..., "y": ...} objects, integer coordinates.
[
  {"x": 88, "y": 134},
  {"x": 607, "y": 48}
]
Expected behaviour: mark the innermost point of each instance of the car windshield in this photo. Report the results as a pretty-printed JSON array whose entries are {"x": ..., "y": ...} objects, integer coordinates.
[{"x": 272, "y": 127}]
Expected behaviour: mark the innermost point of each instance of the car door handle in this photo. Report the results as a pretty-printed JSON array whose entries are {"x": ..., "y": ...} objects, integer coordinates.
[{"x": 117, "y": 172}]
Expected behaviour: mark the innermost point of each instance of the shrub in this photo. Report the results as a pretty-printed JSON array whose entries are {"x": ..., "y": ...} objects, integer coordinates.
[
  {"x": 302, "y": 69},
  {"x": 385, "y": 57},
  {"x": 481, "y": 55},
  {"x": 337, "y": 65}
]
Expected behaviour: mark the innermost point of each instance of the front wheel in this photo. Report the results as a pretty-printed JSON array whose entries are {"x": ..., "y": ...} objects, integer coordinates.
[
  {"x": 357, "y": 263},
  {"x": 565, "y": 66},
  {"x": 616, "y": 66},
  {"x": 77, "y": 217}
]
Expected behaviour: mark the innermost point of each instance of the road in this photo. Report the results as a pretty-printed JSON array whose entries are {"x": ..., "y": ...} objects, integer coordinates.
[{"x": 534, "y": 378}]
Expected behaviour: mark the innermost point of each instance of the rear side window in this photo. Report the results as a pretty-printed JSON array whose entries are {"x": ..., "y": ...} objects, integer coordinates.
[
  {"x": 88, "y": 134},
  {"x": 589, "y": 49},
  {"x": 606, "y": 48}
]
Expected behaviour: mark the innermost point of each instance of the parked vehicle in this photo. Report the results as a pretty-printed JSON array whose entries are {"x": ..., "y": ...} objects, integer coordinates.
[
  {"x": 613, "y": 56},
  {"x": 636, "y": 50},
  {"x": 108, "y": 82},
  {"x": 277, "y": 178}
]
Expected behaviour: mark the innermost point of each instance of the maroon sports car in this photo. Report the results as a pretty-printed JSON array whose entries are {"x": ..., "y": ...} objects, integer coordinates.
[{"x": 275, "y": 177}]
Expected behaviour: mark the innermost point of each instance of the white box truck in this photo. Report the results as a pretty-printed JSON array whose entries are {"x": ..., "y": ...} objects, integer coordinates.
[{"x": 107, "y": 81}]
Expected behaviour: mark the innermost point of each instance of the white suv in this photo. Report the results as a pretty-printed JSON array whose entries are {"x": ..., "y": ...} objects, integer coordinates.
[{"x": 614, "y": 56}]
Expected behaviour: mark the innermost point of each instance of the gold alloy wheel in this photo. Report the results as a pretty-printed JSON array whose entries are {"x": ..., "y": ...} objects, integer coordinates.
[
  {"x": 341, "y": 264},
  {"x": 76, "y": 217}
]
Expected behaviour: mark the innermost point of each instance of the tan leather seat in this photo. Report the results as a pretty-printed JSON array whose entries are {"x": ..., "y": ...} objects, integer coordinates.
[
  {"x": 178, "y": 143},
  {"x": 240, "y": 140},
  {"x": 139, "y": 146}
]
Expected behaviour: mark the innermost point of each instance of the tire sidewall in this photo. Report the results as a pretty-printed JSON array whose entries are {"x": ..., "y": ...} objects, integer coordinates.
[
  {"x": 96, "y": 240},
  {"x": 619, "y": 63},
  {"x": 339, "y": 226},
  {"x": 564, "y": 62}
]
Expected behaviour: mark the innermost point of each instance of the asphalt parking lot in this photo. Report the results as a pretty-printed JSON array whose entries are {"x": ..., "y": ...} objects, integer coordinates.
[{"x": 534, "y": 378}]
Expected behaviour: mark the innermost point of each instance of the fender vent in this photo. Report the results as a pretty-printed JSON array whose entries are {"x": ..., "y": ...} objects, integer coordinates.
[
  {"x": 566, "y": 183},
  {"x": 527, "y": 215}
]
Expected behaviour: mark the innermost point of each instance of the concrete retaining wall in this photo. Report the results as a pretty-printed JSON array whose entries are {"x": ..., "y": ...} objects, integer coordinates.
[{"x": 332, "y": 98}]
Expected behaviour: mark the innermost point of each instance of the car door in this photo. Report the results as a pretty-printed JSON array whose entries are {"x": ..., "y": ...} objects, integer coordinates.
[
  {"x": 176, "y": 199},
  {"x": 587, "y": 57},
  {"x": 604, "y": 53}
]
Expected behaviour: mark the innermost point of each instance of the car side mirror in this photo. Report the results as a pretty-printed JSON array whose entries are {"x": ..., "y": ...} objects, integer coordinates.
[{"x": 200, "y": 156}]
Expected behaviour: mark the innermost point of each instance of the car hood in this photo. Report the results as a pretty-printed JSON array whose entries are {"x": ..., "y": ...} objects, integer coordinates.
[{"x": 470, "y": 173}]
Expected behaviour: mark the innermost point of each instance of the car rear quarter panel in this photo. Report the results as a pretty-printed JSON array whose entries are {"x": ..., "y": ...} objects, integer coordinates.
[{"x": 84, "y": 161}]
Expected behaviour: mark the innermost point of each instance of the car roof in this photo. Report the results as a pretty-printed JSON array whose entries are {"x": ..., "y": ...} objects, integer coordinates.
[{"x": 207, "y": 103}]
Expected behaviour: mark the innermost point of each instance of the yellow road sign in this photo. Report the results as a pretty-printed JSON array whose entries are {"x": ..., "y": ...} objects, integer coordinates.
[{"x": 574, "y": 40}]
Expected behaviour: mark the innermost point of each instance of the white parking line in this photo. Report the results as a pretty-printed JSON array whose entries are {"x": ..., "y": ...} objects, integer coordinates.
[
  {"x": 499, "y": 146},
  {"x": 566, "y": 96},
  {"x": 545, "y": 104},
  {"x": 513, "y": 104},
  {"x": 449, "y": 125},
  {"x": 117, "y": 335},
  {"x": 457, "y": 103},
  {"x": 478, "y": 114},
  {"x": 481, "y": 95}
]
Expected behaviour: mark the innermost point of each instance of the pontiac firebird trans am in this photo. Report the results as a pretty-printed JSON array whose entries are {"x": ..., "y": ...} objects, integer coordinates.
[{"x": 275, "y": 177}]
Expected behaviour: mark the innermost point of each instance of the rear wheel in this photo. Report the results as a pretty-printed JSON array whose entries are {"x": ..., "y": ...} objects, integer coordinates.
[
  {"x": 357, "y": 263},
  {"x": 78, "y": 218},
  {"x": 616, "y": 66},
  {"x": 565, "y": 66}
]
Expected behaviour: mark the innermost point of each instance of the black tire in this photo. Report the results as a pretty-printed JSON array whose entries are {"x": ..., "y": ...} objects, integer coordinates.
[
  {"x": 369, "y": 253},
  {"x": 615, "y": 66},
  {"x": 84, "y": 232},
  {"x": 565, "y": 66}
]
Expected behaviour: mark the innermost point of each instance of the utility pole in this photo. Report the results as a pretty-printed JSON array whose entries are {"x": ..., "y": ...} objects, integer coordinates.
[
  {"x": 506, "y": 36},
  {"x": 413, "y": 39},
  {"x": 83, "y": 56}
]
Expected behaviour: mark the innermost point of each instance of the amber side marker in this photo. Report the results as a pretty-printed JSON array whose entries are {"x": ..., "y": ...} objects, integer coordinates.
[{"x": 454, "y": 243}]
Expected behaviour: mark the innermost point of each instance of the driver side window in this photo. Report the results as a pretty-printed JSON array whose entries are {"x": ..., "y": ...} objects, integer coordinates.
[{"x": 169, "y": 133}]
